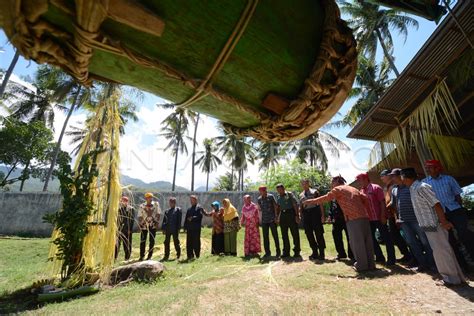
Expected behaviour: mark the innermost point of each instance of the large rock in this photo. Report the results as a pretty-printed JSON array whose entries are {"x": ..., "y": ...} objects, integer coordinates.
[{"x": 144, "y": 270}]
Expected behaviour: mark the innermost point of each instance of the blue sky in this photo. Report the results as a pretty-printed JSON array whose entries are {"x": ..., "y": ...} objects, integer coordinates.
[{"x": 142, "y": 154}]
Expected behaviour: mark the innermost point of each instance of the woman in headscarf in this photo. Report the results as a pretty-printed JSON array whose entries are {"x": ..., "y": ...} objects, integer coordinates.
[
  {"x": 217, "y": 215},
  {"x": 250, "y": 219},
  {"x": 231, "y": 227}
]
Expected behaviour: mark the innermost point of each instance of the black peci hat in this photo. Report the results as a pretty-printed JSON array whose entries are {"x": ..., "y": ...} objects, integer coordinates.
[{"x": 385, "y": 172}]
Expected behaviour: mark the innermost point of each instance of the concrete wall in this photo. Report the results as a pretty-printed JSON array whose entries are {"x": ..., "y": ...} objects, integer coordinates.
[{"x": 22, "y": 213}]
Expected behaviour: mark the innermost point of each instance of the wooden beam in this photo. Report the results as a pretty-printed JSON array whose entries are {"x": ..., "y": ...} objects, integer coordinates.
[
  {"x": 135, "y": 15},
  {"x": 126, "y": 12},
  {"x": 387, "y": 110},
  {"x": 412, "y": 75},
  {"x": 383, "y": 122},
  {"x": 275, "y": 103}
]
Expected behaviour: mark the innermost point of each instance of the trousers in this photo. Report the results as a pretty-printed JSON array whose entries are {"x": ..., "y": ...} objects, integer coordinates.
[
  {"x": 338, "y": 227},
  {"x": 383, "y": 229},
  {"x": 143, "y": 238},
  {"x": 266, "y": 227},
  {"x": 124, "y": 238},
  {"x": 313, "y": 228},
  {"x": 288, "y": 222},
  {"x": 362, "y": 245},
  {"x": 193, "y": 243},
  {"x": 177, "y": 245}
]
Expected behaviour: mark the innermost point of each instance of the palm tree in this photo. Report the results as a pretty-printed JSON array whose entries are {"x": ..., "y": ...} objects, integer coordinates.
[
  {"x": 208, "y": 161},
  {"x": 196, "y": 123},
  {"x": 312, "y": 148},
  {"x": 38, "y": 105},
  {"x": 269, "y": 153},
  {"x": 238, "y": 151},
  {"x": 126, "y": 110},
  {"x": 175, "y": 130},
  {"x": 371, "y": 82},
  {"x": 66, "y": 89},
  {"x": 9, "y": 72},
  {"x": 373, "y": 25}
]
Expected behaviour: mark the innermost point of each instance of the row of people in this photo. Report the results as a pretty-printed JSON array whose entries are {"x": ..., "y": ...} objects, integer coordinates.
[
  {"x": 269, "y": 212},
  {"x": 406, "y": 203}
]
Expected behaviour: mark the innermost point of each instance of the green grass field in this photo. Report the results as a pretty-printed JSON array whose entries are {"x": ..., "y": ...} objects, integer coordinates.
[{"x": 235, "y": 285}]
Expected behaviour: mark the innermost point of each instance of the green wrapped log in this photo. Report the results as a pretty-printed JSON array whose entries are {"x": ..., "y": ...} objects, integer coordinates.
[{"x": 275, "y": 70}]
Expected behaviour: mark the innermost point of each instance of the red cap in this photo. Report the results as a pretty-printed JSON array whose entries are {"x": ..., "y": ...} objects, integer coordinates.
[
  {"x": 362, "y": 176},
  {"x": 262, "y": 188},
  {"x": 433, "y": 163}
]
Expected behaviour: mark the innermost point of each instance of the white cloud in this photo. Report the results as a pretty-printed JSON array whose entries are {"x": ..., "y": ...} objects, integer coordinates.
[{"x": 143, "y": 156}]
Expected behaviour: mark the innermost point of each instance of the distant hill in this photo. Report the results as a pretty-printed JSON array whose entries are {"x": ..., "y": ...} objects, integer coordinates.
[
  {"x": 35, "y": 185},
  {"x": 201, "y": 189},
  {"x": 139, "y": 185}
]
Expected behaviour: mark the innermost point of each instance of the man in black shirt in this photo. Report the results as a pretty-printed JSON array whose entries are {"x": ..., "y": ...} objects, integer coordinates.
[
  {"x": 126, "y": 217},
  {"x": 338, "y": 226},
  {"x": 312, "y": 221},
  {"x": 193, "y": 228},
  {"x": 171, "y": 226}
]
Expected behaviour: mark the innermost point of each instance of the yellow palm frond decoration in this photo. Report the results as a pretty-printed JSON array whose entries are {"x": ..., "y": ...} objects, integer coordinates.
[
  {"x": 424, "y": 121},
  {"x": 99, "y": 243},
  {"x": 420, "y": 127},
  {"x": 452, "y": 151},
  {"x": 393, "y": 149}
]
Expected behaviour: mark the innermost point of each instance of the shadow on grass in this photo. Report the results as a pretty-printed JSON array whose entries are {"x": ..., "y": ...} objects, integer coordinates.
[
  {"x": 19, "y": 301},
  {"x": 465, "y": 290}
]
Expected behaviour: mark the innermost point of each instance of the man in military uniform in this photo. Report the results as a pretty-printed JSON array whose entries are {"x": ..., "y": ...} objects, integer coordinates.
[
  {"x": 126, "y": 217},
  {"x": 312, "y": 221},
  {"x": 289, "y": 220}
]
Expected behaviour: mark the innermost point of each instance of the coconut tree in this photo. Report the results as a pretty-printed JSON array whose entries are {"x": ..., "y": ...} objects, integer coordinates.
[
  {"x": 372, "y": 25},
  {"x": 208, "y": 161},
  {"x": 126, "y": 110},
  {"x": 371, "y": 82},
  {"x": 196, "y": 123},
  {"x": 8, "y": 73},
  {"x": 270, "y": 153},
  {"x": 38, "y": 105},
  {"x": 313, "y": 149},
  {"x": 175, "y": 130},
  {"x": 238, "y": 151}
]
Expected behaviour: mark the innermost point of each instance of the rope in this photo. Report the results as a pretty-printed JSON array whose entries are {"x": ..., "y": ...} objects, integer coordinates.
[
  {"x": 323, "y": 93},
  {"x": 239, "y": 29}
]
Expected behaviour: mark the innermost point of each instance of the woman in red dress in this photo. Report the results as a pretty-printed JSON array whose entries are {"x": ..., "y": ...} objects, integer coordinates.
[{"x": 250, "y": 218}]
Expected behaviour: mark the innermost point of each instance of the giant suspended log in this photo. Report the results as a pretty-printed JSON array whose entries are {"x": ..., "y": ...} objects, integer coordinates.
[{"x": 275, "y": 70}]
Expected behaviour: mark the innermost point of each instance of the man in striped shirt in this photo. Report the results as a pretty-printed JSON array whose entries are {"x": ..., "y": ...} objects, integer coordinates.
[
  {"x": 354, "y": 206},
  {"x": 414, "y": 235},
  {"x": 431, "y": 218},
  {"x": 448, "y": 192}
]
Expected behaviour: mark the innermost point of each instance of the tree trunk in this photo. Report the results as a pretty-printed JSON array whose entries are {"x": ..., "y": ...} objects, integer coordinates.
[
  {"x": 23, "y": 179},
  {"x": 58, "y": 145},
  {"x": 207, "y": 182},
  {"x": 238, "y": 180},
  {"x": 9, "y": 72},
  {"x": 4, "y": 181},
  {"x": 194, "y": 152},
  {"x": 387, "y": 54},
  {"x": 232, "y": 178},
  {"x": 174, "y": 168},
  {"x": 176, "y": 155}
]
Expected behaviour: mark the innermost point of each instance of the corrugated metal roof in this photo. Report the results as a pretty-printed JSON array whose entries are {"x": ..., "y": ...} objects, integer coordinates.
[{"x": 442, "y": 48}]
